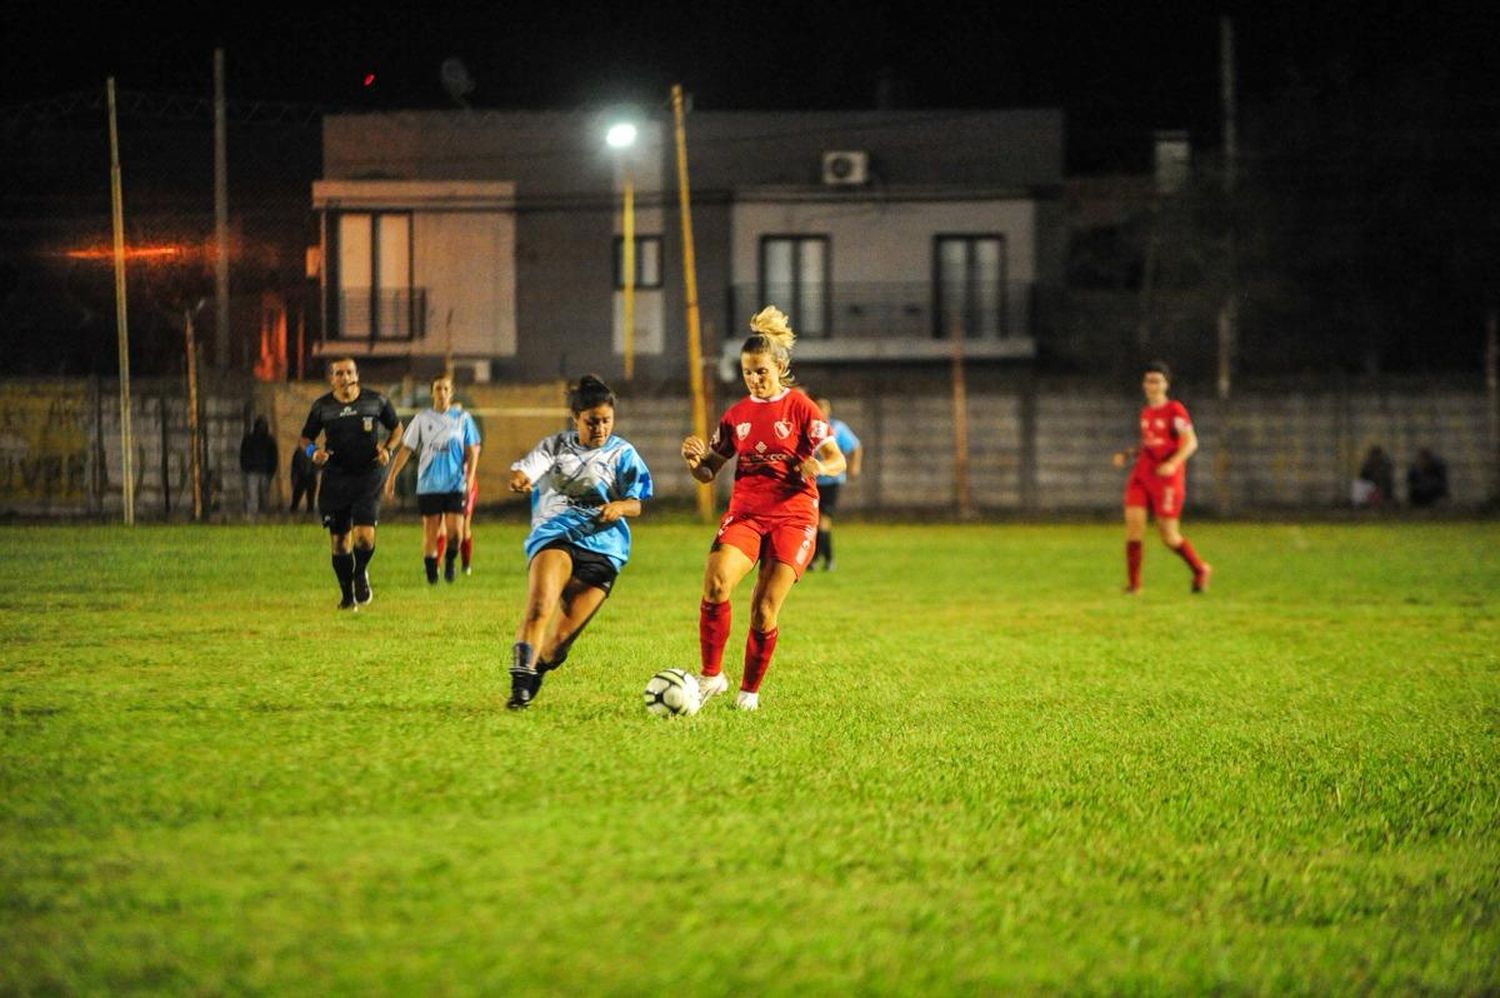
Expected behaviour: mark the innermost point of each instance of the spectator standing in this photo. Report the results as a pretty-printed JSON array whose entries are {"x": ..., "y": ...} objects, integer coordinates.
[{"x": 258, "y": 460}]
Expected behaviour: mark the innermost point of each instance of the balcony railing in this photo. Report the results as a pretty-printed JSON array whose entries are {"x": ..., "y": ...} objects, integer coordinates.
[
  {"x": 897, "y": 319},
  {"x": 386, "y": 316}
]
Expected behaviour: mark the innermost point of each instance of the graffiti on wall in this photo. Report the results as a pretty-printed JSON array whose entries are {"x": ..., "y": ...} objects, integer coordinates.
[{"x": 43, "y": 444}]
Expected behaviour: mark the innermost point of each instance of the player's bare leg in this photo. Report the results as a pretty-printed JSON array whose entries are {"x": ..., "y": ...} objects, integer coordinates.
[
  {"x": 579, "y": 602},
  {"x": 546, "y": 576},
  {"x": 1171, "y": 535},
  {"x": 727, "y": 566},
  {"x": 1135, "y": 534}
]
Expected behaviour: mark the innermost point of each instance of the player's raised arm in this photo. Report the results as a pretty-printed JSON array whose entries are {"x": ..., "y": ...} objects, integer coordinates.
[{"x": 703, "y": 463}]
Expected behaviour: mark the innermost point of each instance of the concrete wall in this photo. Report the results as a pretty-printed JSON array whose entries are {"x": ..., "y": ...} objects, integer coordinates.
[{"x": 1033, "y": 449}]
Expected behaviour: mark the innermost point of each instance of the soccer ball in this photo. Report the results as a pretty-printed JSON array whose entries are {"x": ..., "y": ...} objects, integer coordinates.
[{"x": 672, "y": 691}]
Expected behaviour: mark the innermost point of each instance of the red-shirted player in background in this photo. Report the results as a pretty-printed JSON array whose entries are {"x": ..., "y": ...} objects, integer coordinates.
[
  {"x": 780, "y": 442},
  {"x": 1158, "y": 480}
]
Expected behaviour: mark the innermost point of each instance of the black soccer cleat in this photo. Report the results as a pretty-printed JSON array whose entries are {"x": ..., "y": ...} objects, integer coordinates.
[
  {"x": 363, "y": 594},
  {"x": 347, "y": 603},
  {"x": 523, "y": 687}
]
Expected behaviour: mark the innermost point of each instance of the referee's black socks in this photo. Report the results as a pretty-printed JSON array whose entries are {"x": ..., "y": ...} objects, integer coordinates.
[
  {"x": 362, "y": 558},
  {"x": 431, "y": 564},
  {"x": 343, "y": 567}
]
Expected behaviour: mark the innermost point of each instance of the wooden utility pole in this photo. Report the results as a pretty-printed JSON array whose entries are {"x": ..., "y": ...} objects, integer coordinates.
[
  {"x": 690, "y": 291},
  {"x": 122, "y": 326},
  {"x": 1492, "y": 391},
  {"x": 1228, "y": 333},
  {"x": 960, "y": 425},
  {"x": 221, "y": 218},
  {"x": 1229, "y": 312},
  {"x": 195, "y": 464}
]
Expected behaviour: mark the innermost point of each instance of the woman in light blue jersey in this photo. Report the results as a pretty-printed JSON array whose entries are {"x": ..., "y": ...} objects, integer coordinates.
[
  {"x": 584, "y": 484},
  {"x": 446, "y": 443}
]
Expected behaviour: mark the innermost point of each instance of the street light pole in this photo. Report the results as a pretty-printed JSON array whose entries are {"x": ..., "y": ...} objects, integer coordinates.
[
  {"x": 622, "y": 137},
  {"x": 627, "y": 264},
  {"x": 122, "y": 326}
]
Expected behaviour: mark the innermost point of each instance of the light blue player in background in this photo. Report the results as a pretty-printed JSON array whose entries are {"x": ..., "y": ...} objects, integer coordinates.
[
  {"x": 584, "y": 483},
  {"x": 446, "y": 442},
  {"x": 830, "y": 485}
]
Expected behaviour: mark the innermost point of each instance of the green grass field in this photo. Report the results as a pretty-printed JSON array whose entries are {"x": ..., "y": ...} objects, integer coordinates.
[{"x": 977, "y": 768}]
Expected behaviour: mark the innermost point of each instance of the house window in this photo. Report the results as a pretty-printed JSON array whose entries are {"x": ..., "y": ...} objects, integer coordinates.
[
  {"x": 376, "y": 299},
  {"x": 794, "y": 277},
  {"x": 647, "y": 262},
  {"x": 969, "y": 286}
]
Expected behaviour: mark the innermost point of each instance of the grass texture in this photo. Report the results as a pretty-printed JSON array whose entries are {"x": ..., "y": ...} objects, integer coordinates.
[{"x": 977, "y": 768}]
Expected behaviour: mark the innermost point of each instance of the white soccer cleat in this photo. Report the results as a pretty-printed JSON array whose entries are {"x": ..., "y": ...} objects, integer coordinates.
[
  {"x": 747, "y": 701},
  {"x": 709, "y": 686}
]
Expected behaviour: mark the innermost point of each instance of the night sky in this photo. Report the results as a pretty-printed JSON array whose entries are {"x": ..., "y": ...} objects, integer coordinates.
[{"x": 1117, "y": 69}]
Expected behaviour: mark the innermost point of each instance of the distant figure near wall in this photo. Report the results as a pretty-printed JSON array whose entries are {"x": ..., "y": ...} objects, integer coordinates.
[
  {"x": 258, "y": 459},
  {"x": 1376, "y": 485},
  {"x": 1426, "y": 479}
]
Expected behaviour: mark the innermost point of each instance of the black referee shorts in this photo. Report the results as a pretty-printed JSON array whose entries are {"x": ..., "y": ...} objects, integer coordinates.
[{"x": 350, "y": 500}]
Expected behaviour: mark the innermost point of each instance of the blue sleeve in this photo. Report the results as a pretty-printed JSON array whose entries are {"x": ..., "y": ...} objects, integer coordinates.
[
  {"x": 632, "y": 476},
  {"x": 471, "y": 432},
  {"x": 848, "y": 442}
]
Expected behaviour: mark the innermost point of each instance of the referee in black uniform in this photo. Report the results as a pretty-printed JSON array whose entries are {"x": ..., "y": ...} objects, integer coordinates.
[{"x": 353, "y": 458}]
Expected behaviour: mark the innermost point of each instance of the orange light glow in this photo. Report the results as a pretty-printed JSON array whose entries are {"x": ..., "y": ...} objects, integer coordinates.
[{"x": 131, "y": 253}]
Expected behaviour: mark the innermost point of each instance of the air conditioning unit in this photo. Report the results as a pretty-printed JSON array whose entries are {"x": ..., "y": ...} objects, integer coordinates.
[{"x": 846, "y": 168}]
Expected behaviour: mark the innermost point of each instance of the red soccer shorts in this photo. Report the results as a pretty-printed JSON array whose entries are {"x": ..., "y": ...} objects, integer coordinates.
[
  {"x": 1161, "y": 494},
  {"x": 788, "y": 540}
]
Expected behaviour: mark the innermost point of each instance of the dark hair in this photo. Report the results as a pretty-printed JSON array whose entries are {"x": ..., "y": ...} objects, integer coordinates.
[
  {"x": 1158, "y": 367},
  {"x": 589, "y": 392}
]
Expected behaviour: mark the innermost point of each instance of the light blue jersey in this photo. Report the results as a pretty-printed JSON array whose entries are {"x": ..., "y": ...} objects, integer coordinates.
[
  {"x": 439, "y": 440},
  {"x": 848, "y": 444},
  {"x": 569, "y": 482}
]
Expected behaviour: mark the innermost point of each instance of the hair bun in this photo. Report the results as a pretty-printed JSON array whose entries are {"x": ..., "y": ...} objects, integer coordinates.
[{"x": 771, "y": 321}]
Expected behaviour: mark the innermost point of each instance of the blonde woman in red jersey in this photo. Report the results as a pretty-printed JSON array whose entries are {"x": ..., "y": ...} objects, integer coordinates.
[
  {"x": 1158, "y": 478},
  {"x": 781, "y": 444}
]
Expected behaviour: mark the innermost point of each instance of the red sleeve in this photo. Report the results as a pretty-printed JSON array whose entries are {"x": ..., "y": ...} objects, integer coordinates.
[
  {"x": 722, "y": 442},
  {"x": 814, "y": 425},
  {"x": 1180, "y": 419}
]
